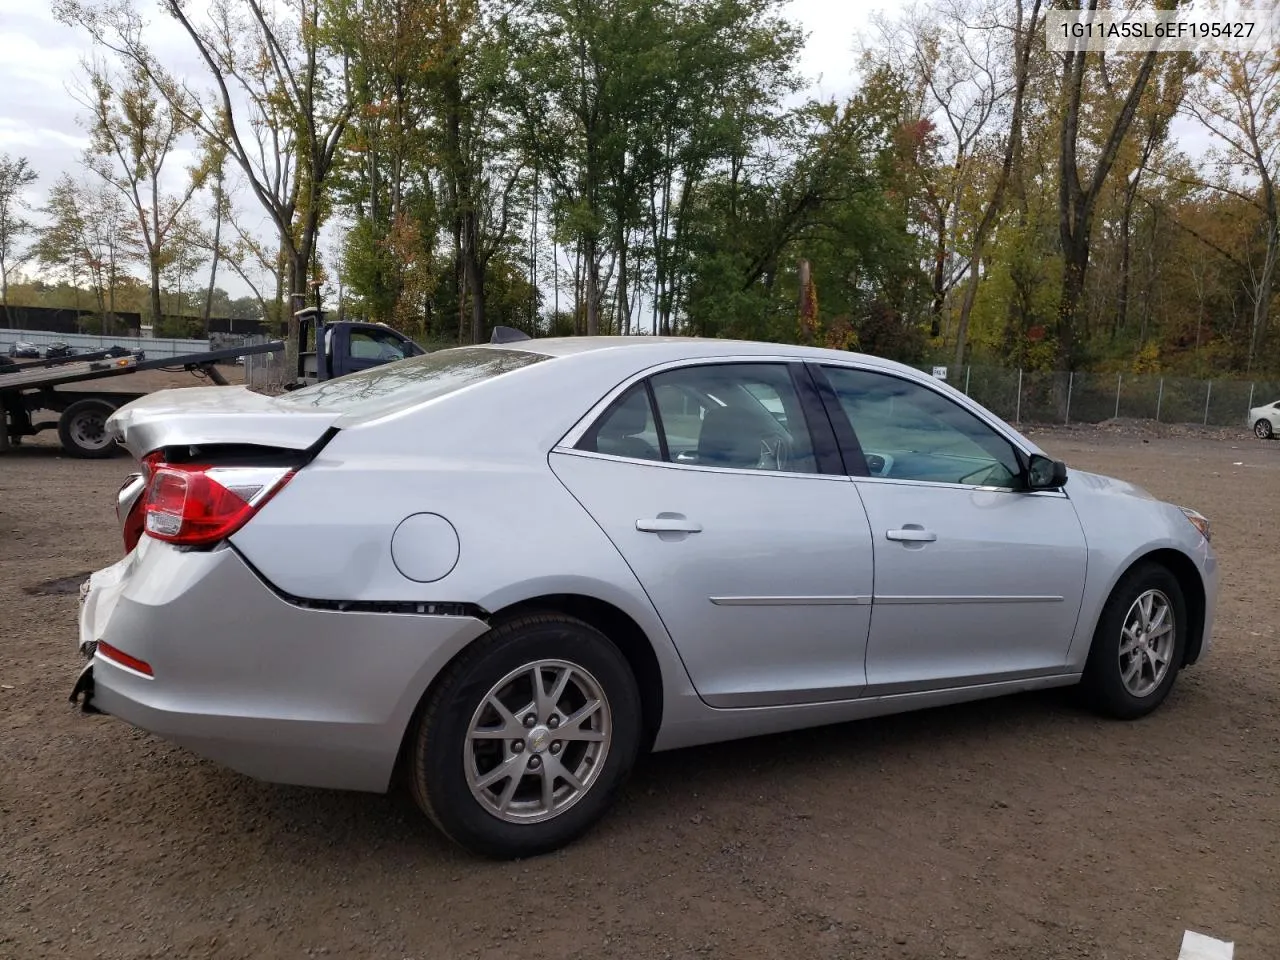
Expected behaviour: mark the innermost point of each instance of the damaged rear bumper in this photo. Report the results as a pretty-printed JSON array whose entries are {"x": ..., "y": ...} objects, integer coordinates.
[
  {"x": 82, "y": 692},
  {"x": 250, "y": 680}
]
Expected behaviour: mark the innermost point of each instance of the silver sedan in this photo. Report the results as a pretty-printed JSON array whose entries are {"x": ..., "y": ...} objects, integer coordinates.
[{"x": 509, "y": 569}]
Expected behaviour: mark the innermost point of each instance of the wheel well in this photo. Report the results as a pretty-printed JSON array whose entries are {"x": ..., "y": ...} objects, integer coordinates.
[
  {"x": 606, "y": 618},
  {"x": 1188, "y": 577},
  {"x": 618, "y": 627}
]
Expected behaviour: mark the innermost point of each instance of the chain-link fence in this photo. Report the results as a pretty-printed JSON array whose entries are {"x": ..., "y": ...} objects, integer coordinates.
[
  {"x": 265, "y": 372},
  {"x": 1053, "y": 397}
]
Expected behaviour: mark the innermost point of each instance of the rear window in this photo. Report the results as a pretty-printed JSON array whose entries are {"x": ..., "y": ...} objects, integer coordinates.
[{"x": 371, "y": 393}]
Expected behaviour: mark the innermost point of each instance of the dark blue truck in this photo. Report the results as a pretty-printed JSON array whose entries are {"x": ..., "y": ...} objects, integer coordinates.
[{"x": 56, "y": 385}]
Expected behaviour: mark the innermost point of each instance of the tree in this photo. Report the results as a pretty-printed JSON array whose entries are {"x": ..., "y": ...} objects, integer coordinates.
[
  {"x": 1236, "y": 98},
  {"x": 188, "y": 251},
  {"x": 1026, "y": 27},
  {"x": 112, "y": 239},
  {"x": 216, "y": 170},
  {"x": 568, "y": 54},
  {"x": 956, "y": 77},
  {"x": 389, "y": 151},
  {"x": 631, "y": 107},
  {"x": 1151, "y": 128},
  {"x": 133, "y": 133},
  {"x": 62, "y": 247},
  {"x": 472, "y": 96},
  {"x": 279, "y": 105},
  {"x": 87, "y": 239},
  {"x": 16, "y": 176},
  {"x": 1078, "y": 196}
]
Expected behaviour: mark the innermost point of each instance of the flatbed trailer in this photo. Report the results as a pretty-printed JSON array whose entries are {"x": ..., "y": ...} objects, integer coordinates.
[{"x": 83, "y": 413}]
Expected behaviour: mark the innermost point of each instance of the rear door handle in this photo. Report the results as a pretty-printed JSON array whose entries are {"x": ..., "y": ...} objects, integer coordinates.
[
  {"x": 668, "y": 525},
  {"x": 911, "y": 535}
]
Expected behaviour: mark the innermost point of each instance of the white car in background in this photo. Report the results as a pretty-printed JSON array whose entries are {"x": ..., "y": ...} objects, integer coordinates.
[{"x": 1265, "y": 420}]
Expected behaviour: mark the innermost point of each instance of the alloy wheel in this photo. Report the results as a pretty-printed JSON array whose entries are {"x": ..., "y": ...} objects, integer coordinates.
[
  {"x": 1147, "y": 643},
  {"x": 538, "y": 741}
]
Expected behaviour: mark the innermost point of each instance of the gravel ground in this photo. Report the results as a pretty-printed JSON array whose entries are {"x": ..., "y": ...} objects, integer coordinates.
[{"x": 1021, "y": 829}]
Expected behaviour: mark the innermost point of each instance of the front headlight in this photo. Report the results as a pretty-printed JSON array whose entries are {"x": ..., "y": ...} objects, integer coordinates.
[{"x": 1199, "y": 521}]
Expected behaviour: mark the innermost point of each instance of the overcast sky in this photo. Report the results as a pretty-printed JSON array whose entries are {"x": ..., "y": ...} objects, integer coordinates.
[
  {"x": 40, "y": 118},
  {"x": 41, "y": 58},
  {"x": 40, "y": 61}
]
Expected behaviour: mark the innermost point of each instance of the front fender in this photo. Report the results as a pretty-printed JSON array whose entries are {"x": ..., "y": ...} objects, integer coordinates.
[{"x": 1121, "y": 530}]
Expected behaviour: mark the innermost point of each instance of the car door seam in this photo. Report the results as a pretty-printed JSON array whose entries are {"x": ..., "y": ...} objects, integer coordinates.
[{"x": 627, "y": 563}]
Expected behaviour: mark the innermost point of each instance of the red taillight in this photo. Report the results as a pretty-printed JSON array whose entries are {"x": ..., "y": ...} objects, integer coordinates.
[
  {"x": 108, "y": 652},
  {"x": 134, "y": 524},
  {"x": 197, "y": 505},
  {"x": 149, "y": 464}
]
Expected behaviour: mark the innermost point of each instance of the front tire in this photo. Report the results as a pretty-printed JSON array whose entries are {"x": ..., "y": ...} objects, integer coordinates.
[
  {"x": 1262, "y": 429},
  {"x": 1139, "y": 644},
  {"x": 527, "y": 738}
]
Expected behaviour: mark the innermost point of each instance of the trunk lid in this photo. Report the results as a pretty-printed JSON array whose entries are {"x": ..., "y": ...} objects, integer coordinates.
[{"x": 217, "y": 416}]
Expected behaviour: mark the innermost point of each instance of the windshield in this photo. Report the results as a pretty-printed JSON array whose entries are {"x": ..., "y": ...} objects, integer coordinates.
[{"x": 396, "y": 386}]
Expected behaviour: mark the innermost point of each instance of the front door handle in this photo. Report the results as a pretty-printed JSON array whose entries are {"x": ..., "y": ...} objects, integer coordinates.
[
  {"x": 911, "y": 534},
  {"x": 668, "y": 525}
]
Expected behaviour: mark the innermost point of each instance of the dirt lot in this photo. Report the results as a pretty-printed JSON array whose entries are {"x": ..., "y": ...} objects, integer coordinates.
[{"x": 1022, "y": 829}]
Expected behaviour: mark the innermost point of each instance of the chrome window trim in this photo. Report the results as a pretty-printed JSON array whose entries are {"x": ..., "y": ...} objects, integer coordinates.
[
  {"x": 568, "y": 444},
  {"x": 703, "y": 468},
  {"x": 942, "y": 484}
]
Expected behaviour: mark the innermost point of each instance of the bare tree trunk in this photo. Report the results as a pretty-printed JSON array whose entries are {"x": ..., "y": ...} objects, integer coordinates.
[
  {"x": 1075, "y": 261},
  {"x": 112, "y": 280},
  {"x": 154, "y": 266},
  {"x": 459, "y": 276},
  {"x": 1076, "y": 200},
  {"x": 279, "y": 303},
  {"x": 577, "y": 289},
  {"x": 1126, "y": 265},
  {"x": 1023, "y": 37},
  {"x": 939, "y": 270},
  {"x": 533, "y": 258},
  {"x": 217, "y": 249},
  {"x": 297, "y": 264},
  {"x": 592, "y": 269},
  {"x": 624, "y": 301},
  {"x": 475, "y": 277},
  {"x": 808, "y": 321},
  {"x": 1262, "y": 300}
]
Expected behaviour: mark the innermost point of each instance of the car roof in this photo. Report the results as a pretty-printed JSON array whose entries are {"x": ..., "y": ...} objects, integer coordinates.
[{"x": 660, "y": 349}]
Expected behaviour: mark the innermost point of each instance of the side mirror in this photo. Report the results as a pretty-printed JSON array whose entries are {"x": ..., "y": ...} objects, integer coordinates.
[{"x": 1046, "y": 474}]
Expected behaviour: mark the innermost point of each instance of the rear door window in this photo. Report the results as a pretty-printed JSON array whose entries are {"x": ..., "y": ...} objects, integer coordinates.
[{"x": 741, "y": 416}]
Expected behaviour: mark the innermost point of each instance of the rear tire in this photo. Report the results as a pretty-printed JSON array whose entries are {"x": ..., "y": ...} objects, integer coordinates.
[
  {"x": 82, "y": 429},
  {"x": 1139, "y": 644},
  {"x": 567, "y": 758},
  {"x": 1263, "y": 430}
]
